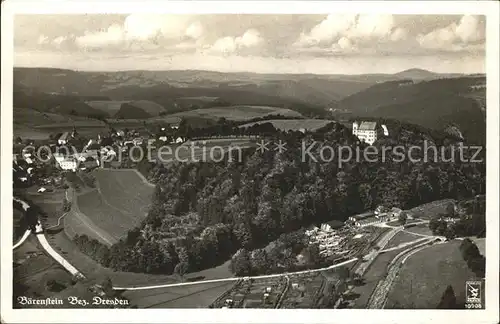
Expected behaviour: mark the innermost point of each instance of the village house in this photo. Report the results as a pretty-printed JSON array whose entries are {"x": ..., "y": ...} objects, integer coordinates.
[{"x": 178, "y": 140}]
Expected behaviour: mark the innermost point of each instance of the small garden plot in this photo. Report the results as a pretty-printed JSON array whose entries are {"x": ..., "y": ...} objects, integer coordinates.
[
  {"x": 260, "y": 293},
  {"x": 303, "y": 291}
]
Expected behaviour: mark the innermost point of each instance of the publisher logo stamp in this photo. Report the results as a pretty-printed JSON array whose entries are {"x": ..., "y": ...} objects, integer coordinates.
[{"x": 473, "y": 296}]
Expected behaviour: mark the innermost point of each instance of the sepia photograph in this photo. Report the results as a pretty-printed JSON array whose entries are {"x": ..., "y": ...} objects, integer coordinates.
[{"x": 299, "y": 160}]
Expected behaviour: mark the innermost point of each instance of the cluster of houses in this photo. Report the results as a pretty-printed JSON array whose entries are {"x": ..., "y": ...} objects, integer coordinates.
[
  {"x": 368, "y": 131},
  {"x": 92, "y": 153},
  {"x": 328, "y": 239}
]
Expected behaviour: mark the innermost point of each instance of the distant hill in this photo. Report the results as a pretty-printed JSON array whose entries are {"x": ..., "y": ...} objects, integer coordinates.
[
  {"x": 56, "y": 103},
  {"x": 402, "y": 91},
  {"x": 420, "y": 74},
  {"x": 435, "y": 104},
  {"x": 310, "y": 95},
  {"x": 139, "y": 109}
]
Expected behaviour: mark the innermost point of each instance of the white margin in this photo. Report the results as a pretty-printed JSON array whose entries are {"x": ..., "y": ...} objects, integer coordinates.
[{"x": 490, "y": 315}]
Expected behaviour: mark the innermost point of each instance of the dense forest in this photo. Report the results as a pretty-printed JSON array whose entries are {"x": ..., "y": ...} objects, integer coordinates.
[{"x": 202, "y": 213}]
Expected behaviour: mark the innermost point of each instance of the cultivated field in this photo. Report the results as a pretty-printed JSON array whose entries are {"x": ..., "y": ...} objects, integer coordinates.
[
  {"x": 422, "y": 229},
  {"x": 237, "y": 113},
  {"x": 426, "y": 274},
  {"x": 304, "y": 291},
  {"x": 32, "y": 124},
  {"x": 109, "y": 106},
  {"x": 119, "y": 203},
  {"x": 293, "y": 124},
  {"x": 402, "y": 237}
]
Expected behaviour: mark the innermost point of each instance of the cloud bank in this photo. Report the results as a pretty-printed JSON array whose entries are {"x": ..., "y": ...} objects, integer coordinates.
[{"x": 266, "y": 37}]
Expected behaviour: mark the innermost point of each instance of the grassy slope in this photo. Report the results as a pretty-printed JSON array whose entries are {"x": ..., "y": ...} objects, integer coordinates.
[
  {"x": 425, "y": 276},
  {"x": 120, "y": 203}
]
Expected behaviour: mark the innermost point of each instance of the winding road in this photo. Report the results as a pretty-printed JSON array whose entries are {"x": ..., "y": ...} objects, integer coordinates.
[
  {"x": 39, "y": 231},
  {"x": 23, "y": 238}
]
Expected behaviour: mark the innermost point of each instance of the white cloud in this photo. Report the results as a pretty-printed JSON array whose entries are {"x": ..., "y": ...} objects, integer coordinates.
[
  {"x": 399, "y": 34},
  {"x": 228, "y": 44},
  {"x": 327, "y": 30},
  {"x": 112, "y": 36},
  {"x": 195, "y": 30},
  {"x": 343, "y": 31},
  {"x": 43, "y": 40},
  {"x": 378, "y": 26},
  {"x": 469, "y": 30},
  {"x": 454, "y": 36},
  {"x": 345, "y": 43},
  {"x": 142, "y": 28},
  {"x": 249, "y": 39}
]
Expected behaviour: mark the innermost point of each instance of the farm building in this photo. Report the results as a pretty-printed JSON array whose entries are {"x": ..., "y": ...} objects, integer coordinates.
[
  {"x": 358, "y": 217},
  {"x": 367, "y": 221}
]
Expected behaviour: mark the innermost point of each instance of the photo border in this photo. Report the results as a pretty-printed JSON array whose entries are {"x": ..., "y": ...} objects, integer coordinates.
[{"x": 490, "y": 315}]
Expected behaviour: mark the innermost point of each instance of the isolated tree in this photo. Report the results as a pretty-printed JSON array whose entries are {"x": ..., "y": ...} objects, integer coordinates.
[
  {"x": 450, "y": 210},
  {"x": 343, "y": 273},
  {"x": 107, "y": 286},
  {"x": 448, "y": 300},
  {"x": 402, "y": 218},
  {"x": 66, "y": 205},
  {"x": 450, "y": 232},
  {"x": 181, "y": 269},
  {"x": 240, "y": 263}
]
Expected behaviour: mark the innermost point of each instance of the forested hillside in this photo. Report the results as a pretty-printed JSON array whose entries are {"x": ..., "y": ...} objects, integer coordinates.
[{"x": 203, "y": 212}]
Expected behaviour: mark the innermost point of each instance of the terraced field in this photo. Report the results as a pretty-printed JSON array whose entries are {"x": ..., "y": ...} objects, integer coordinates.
[{"x": 119, "y": 203}]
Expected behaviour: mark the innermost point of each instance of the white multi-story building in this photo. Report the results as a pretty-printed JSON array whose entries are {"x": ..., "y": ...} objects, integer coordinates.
[{"x": 368, "y": 132}]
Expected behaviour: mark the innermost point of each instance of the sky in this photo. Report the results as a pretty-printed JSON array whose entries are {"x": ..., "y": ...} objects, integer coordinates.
[{"x": 320, "y": 44}]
